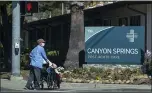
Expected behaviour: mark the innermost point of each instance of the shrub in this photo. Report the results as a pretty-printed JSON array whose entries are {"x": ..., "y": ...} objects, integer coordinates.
[
  {"x": 53, "y": 53},
  {"x": 103, "y": 74},
  {"x": 1, "y": 45},
  {"x": 24, "y": 61},
  {"x": 147, "y": 65},
  {"x": 25, "y": 58}
]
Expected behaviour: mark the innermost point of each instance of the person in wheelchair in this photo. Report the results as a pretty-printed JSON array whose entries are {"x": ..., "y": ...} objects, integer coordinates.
[
  {"x": 37, "y": 56},
  {"x": 51, "y": 76}
]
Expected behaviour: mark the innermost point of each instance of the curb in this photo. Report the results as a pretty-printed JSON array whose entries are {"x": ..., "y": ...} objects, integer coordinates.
[{"x": 14, "y": 78}]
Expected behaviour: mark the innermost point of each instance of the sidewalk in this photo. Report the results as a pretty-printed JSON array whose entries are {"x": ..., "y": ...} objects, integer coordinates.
[{"x": 19, "y": 85}]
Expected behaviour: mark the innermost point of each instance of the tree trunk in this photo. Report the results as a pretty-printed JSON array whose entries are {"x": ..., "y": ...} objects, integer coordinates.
[
  {"x": 76, "y": 42},
  {"x": 7, "y": 40}
]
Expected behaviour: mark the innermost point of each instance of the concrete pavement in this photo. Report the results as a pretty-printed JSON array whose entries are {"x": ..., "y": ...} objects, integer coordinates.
[{"x": 18, "y": 85}]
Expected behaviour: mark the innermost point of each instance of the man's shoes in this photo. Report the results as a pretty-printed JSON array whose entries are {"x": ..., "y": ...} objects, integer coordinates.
[
  {"x": 37, "y": 89},
  {"x": 27, "y": 88}
]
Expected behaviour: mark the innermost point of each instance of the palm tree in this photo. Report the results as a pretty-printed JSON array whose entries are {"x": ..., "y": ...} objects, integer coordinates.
[{"x": 76, "y": 42}]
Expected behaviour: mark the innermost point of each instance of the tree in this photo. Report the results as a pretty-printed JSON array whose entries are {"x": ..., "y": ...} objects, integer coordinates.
[
  {"x": 52, "y": 6},
  {"x": 76, "y": 42},
  {"x": 4, "y": 8},
  {"x": 47, "y": 9}
]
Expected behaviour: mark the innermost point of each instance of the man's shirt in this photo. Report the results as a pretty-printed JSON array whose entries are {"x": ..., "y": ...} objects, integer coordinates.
[{"x": 37, "y": 56}]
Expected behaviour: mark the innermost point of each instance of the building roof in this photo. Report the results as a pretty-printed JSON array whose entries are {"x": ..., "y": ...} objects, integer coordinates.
[
  {"x": 116, "y": 5},
  {"x": 66, "y": 17}
]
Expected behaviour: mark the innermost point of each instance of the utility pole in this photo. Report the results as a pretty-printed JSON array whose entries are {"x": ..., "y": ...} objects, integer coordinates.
[{"x": 16, "y": 38}]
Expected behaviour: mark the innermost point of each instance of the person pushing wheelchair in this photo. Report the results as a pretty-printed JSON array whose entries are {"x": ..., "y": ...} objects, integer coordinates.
[{"x": 37, "y": 57}]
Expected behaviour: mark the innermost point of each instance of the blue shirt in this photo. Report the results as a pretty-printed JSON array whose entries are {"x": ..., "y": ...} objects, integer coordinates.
[{"x": 37, "y": 56}]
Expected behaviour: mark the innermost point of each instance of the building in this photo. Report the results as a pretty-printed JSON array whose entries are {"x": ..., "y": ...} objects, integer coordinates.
[{"x": 128, "y": 13}]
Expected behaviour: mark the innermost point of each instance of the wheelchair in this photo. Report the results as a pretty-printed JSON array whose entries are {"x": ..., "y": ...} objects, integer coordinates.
[{"x": 52, "y": 79}]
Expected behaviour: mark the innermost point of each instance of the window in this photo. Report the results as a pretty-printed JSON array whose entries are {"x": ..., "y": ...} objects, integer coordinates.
[
  {"x": 97, "y": 22},
  {"x": 106, "y": 22},
  {"x": 32, "y": 35},
  {"x": 48, "y": 33},
  {"x": 135, "y": 21},
  {"x": 123, "y": 21},
  {"x": 89, "y": 22}
]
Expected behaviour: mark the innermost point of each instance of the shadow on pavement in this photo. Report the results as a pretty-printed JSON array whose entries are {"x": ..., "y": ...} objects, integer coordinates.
[
  {"x": 8, "y": 90},
  {"x": 46, "y": 89},
  {"x": 78, "y": 91}
]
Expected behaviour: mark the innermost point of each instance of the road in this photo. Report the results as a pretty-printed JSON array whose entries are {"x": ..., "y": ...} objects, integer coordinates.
[
  {"x": 79, "y": 90},
  {"x": 18, "y": 85}
]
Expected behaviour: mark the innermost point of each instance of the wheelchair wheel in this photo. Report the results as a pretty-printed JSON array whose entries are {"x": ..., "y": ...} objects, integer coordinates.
[
  {"x": 32, "y": 85},
  {"x": 58, "y": 84},
  {"x": 50, "y": 83},
  {"x": 41, "y": 85}
]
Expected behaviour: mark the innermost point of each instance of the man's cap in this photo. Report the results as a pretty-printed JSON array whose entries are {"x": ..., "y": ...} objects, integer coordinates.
[{"x": 40, "y": 41}]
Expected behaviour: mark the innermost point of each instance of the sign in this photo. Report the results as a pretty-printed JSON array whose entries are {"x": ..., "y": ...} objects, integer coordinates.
[
  {"x": 31, "y": 7},
  {"x": 114, "y": 45}
]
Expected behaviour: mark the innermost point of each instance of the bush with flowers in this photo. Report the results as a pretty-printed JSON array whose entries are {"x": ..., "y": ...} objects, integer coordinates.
[{"x": 117, "y": 75}]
